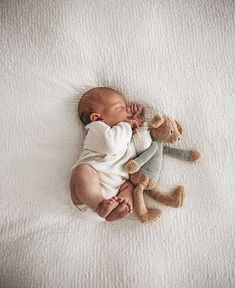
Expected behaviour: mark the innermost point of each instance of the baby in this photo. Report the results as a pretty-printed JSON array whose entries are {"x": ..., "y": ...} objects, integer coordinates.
[{"x": 98, "y": 179}]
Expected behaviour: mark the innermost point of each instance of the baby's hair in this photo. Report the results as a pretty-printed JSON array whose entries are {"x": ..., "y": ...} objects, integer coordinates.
[
  {"x": 85, "y": 118},
  {"x": 86, "y": 107},
  {"x": 89, "y": 101}
]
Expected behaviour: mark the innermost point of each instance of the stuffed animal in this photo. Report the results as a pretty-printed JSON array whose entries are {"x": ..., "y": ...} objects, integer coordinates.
[{"x": 145, "y": 169}]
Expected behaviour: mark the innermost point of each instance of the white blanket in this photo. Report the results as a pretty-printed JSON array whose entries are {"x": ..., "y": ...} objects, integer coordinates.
[{"x": 174, "y": 56}]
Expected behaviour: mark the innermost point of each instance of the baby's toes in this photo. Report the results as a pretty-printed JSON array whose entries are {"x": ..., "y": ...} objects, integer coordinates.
[
  {"x": 126, "y": 210},
  {"x": 112, "y": 200},
  {"x": 109, "y": 203},
  {"x": 124, "y": 202},
  {"x": 126, "y": 206},
  {"x": 130, "y": 210},
  {"x": 120, "y": 199},
  {"x": 129, "y": 206}
]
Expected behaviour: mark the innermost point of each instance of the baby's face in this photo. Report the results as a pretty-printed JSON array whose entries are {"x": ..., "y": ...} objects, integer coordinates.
[{"x": 113, "y": 109}]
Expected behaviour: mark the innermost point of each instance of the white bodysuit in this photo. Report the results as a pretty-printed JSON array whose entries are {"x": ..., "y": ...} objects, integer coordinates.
[{"x": 108, "y": 149}]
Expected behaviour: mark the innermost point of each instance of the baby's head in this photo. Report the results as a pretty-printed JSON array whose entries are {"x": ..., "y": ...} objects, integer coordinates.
[{"x": 102, "y": 104}]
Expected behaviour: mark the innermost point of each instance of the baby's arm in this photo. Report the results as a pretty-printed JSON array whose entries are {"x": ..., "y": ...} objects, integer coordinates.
[
  {"x": 141, "y": 138},
  {"x": 117, "y": 137},
  {"x": 103, "y": 139}
]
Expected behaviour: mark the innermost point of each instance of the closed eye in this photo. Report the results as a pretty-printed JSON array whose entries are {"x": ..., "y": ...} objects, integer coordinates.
[{"x": 120, "y": 107}]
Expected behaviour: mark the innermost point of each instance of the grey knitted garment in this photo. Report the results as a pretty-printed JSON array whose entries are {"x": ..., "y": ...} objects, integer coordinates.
[{"x": 151, "y": 159}]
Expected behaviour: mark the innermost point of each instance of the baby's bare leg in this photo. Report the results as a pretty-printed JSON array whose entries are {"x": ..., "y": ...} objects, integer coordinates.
[
  {"x": 126, "y": 204},
  {"x": 85, "y": 188}
]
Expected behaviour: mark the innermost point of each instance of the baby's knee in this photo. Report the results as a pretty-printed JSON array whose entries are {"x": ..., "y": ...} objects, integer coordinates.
[{"x": 84, "y": 172}]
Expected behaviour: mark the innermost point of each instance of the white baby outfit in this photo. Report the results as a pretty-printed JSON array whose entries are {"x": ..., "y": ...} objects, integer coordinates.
[{"x": 108, "y": 149}]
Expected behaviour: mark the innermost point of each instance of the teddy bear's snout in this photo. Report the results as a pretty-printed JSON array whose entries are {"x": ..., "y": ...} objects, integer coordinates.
[{"x": 175, "y": 139}]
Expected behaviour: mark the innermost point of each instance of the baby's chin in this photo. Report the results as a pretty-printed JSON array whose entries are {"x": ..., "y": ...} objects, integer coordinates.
[
  {"x": 114, "y": 123},
  {"x": 109, "y": 123}
]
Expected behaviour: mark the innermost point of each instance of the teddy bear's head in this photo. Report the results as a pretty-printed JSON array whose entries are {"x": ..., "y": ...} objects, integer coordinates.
[{"x": 163, "y": 128}]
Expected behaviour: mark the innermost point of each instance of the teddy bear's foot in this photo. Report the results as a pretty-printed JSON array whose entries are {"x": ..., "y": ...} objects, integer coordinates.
[
  {"x": 135, "y": 178},
  {"x": 173, "y": 199},
  {"x": 150, "y": 216},
  {"x": 177, "y": 197}
]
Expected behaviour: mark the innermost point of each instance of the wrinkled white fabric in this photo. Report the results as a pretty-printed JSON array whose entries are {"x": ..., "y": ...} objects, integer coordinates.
[{"x": 175, "y": 57}]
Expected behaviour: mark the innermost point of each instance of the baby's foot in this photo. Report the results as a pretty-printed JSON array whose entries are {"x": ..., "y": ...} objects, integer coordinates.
[
  {"x": 107, "y": 205},
  {"x": 123, "y": 209}
]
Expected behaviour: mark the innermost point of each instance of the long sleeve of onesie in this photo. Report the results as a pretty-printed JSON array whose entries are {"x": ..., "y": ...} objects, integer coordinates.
[{"x": 103, "y": 139}]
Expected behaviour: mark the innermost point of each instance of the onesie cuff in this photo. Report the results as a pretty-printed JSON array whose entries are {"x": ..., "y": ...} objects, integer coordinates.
[
  {"x": 127, "y": 126},
  {"x": 142, "y": 139}
]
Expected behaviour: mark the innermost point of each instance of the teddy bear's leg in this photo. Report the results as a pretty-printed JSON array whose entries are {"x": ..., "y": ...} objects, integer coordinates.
[
  {"x": 152, "y": 184},
  {"x": 135, "y": 178},
  {"x": 151, "y": 216},
  {"x": 144, "y": 180},
  {"x": 145, "y": 216},
  {"x": 174, "y": 198},
  {"x": 139, "y": 204}
]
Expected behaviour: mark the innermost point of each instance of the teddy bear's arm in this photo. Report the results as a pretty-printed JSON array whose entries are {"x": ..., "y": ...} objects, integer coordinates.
[
  {"x": 182, "y": 154},
  {"x": 147, "y": 154}
]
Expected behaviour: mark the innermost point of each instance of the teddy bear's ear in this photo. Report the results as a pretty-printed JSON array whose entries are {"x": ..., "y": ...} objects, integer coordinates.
[
  {"x": 156, "y": 121},
  {"x": 179, "y": 127}
]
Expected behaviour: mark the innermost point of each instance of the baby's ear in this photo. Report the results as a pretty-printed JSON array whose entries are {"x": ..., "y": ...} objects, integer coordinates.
[
  {"x": 156, "y": 121},
  {"x": 95, "y": 117}
]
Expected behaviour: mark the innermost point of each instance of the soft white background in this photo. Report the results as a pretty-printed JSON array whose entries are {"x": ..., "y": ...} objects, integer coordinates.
[{"x": 174, "y": 56}]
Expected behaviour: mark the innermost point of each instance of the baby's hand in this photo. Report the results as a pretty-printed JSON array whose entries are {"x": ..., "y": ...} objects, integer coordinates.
[
  {"x": 134, "y": 125},
  {"x": 136, "y": 112},
  {"x": 136, "y": 116}
]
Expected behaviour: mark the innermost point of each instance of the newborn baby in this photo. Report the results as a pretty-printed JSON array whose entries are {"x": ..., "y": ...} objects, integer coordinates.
[{"x": 98, "y": 179}]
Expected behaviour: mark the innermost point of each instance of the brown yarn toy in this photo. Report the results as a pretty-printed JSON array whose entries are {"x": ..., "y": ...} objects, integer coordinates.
[{"x": 145, "y": 169}]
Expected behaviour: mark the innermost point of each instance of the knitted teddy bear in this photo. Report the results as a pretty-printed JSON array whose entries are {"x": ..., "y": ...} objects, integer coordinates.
[{"x": 145, "y": 169}]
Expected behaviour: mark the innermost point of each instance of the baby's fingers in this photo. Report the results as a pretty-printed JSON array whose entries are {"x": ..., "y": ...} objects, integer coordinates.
[
  {"x": 136, "y": 109},
  {"x": 132, "y": 109},
  {"x": 128, "y": 110}
]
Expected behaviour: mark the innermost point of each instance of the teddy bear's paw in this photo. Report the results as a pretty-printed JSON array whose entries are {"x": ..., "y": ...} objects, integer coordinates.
[
  {"x": 195, "y": 156},
  {"x": 150, "y": 216},
  {"x": 135, "y": 178},
  {"x": 132, "y": 167},
  {"x": 178, "y": 197}
]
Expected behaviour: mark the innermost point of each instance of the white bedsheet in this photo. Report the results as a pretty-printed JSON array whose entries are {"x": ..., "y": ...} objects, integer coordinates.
[{"x": 174, "y": 56}]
